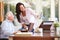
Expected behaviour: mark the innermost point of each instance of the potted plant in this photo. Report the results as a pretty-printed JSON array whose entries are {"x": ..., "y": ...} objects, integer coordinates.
[
  {"x": 56, "y": 24},
  {"x": 57, "y": 29}
]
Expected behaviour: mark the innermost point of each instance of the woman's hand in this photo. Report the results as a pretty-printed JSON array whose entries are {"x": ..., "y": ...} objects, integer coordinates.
[{"x": 24, "y": 26}]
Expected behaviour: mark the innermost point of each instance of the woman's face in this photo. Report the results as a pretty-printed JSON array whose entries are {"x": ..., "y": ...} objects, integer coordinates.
[{"x": 22, "y": 8}]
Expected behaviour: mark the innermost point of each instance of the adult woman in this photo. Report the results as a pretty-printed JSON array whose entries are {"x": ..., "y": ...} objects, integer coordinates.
[{"x": 25, "y": 16}]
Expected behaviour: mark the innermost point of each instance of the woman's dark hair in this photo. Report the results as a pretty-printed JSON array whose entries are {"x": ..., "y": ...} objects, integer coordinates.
[{"x": 18, "y": 11}]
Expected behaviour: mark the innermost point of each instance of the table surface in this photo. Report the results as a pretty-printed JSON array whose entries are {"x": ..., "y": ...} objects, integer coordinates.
[
  {"x": 45, "y": 34},
  {"x": 36, "y": 36}
]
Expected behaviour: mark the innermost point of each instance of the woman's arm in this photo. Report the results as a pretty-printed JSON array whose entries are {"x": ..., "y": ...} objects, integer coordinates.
[{"x": 31, "y": 27}]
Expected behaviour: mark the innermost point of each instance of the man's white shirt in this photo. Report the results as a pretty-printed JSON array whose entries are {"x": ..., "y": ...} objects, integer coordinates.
[{"x": 7, "y": 28}]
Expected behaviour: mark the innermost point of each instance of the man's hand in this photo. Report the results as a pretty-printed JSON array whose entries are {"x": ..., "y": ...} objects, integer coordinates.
[{"x": 16, "y": 32}]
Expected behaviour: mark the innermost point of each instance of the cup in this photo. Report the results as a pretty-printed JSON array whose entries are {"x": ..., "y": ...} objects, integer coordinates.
[{"x": 41, "y": 31}]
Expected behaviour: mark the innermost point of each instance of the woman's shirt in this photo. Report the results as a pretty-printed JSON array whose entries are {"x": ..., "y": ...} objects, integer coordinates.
[{"x": 29, "y": 18}]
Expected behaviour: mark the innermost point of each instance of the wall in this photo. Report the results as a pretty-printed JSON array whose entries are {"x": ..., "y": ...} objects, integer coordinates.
[{"x": 1, "y": 11}]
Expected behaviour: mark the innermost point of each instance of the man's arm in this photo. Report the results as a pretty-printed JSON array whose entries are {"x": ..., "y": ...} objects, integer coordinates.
[{"x": 7, "y": 28}]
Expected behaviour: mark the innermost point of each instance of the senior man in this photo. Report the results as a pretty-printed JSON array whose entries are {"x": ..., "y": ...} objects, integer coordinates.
[{"x": 7, "y": 26}]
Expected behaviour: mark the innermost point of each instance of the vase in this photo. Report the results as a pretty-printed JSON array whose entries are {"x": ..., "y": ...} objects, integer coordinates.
[{"x": 58, "y": 30}]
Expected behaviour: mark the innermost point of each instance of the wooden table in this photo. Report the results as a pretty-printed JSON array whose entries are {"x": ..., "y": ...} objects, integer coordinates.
[{"x": 46, "y": 36}]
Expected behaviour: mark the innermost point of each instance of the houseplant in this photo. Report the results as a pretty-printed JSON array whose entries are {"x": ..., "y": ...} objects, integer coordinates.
[
  {"x": 56, "y": 24},
  {"x": 57, "y": 28}
]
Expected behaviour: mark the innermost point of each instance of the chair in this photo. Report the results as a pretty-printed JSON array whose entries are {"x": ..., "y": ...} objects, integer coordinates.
[
  {"x": 0, "y": 35},
  {"x": 46, "y": 25}
]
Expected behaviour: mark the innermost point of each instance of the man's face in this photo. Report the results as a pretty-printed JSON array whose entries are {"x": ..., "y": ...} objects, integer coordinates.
[
  {"x": 11, "y": 17},
  {"x": 22, "y": 8}
]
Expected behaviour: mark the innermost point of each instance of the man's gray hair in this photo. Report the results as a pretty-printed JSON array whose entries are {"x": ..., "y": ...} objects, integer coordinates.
[{"x": 9, "y": 13}]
